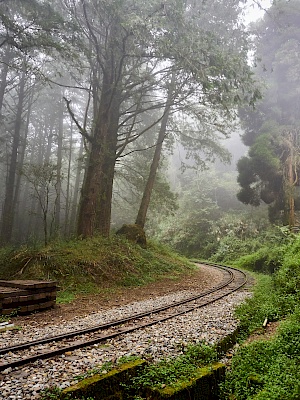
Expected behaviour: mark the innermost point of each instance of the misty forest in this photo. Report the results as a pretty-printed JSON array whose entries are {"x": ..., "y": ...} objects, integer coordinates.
[{"x": 136, "y": 134}]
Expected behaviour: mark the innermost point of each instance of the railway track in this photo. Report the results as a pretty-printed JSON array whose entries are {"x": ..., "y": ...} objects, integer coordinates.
[{"x": 48, "y": 347}]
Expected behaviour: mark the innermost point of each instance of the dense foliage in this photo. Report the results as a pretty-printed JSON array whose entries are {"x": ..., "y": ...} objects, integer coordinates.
[
  {"x": 208, "y": 215},
  {"x": 268, "y": 369},
  {"x": 269, "y": 173}
]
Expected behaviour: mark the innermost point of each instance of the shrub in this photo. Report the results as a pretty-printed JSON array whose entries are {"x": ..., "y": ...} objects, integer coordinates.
[
  {"x": 268, "y": 370},
  {"x": 233, "y": 248},
  {"x": 287, "y": 279},
  {"x": 266, "y": 260}
]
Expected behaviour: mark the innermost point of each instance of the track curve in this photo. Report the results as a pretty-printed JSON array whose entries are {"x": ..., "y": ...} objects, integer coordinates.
[{"x": 15, "y": 356}]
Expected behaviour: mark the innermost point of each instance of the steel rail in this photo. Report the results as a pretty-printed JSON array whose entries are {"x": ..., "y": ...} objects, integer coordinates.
[
  {"x": 44, "y": 354},
  {"x": 26, "y": 345}
]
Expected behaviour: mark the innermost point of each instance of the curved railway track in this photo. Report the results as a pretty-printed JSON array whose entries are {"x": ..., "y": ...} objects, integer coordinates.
[{"x": 21, "y": 354}]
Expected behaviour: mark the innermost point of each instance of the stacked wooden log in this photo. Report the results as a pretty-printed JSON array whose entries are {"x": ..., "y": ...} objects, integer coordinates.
[{"x": 25, "y": 296}]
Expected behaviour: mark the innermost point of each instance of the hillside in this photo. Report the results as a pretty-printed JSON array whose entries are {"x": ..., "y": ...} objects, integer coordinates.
[{"x": 93, "y": 265}]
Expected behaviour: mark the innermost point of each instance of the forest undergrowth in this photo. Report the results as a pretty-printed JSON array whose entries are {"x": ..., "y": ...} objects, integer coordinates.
[{"x": 268, "y": 368}]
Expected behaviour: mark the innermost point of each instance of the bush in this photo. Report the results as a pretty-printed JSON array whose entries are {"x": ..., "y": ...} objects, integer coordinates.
[
  {"x": 268, "y": 370},
  {"x": 264, "y": 260},
  {"x": 287, "y": 279},
  {"x": 232, "y": 248}
]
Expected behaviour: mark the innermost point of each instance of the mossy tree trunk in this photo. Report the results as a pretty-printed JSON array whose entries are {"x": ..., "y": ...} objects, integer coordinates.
[{"x": 96, "y": 198}]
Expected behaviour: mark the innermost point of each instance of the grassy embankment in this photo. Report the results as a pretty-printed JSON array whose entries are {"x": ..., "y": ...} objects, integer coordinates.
[
  {"x": 267, "y": 368},
  {"x": 92, "y": 265}
]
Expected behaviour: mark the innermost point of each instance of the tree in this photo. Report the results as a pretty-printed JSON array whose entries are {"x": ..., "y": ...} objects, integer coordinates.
[
  {"x": 30, "y": 25},
  {"x": 10, "y": 193},
  {"x": 208, "y": 142},
  {"x": 30, "y": 35},
  {"x": 128, "y": 52},
  {"x": 144, "y": 205},
  {"x": 270, "y": 172},
  {"x": 129, "y": 59},
  {"x": 43, "y": 179}
]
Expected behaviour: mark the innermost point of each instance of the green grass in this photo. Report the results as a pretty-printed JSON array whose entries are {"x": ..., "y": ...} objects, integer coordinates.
[
  {"x": 89, "y": 265},
  {"x": 169, "y": 371},
  {"x": 64, "y": 297},
  {"x": 269, "y": 369},
  {"x": 264, "y": 303}
]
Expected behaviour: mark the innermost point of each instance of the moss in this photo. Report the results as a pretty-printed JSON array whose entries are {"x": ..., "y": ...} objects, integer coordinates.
[
  {"x": 255, "y": 380},
  {"x": 203, "y": 386},
  {"x": 104, "y": 386},
  {"x": 111, "y": 385},
  {"x": 227, "y": 342},
  {"x": 134, "y": 233}
]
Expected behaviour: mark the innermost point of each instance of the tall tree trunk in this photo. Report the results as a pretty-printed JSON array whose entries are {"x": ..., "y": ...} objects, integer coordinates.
[
  {"x": 3, "y": 77},
  {"x": 68, "y": 194},
  {"x": 95, "y": 206},
  {"x": 43, "y": 150},
  {"x": 96, "y": 197},
  {"x": 142, "y": 213},
  {"x": 9, "y": 205},
  {"x": 58, "y": 170},
  {"x": 20, "y": 167},
  {"x": 79, "y": 170},
  {"x": 27, "y": 203}
]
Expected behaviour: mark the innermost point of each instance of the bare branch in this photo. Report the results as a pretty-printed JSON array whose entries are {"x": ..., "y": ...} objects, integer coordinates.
[{"x": 80, "y": 128}]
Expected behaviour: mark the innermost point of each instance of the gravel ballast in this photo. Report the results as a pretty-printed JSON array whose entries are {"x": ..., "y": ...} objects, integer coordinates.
[{"x": 210, "y": 324}]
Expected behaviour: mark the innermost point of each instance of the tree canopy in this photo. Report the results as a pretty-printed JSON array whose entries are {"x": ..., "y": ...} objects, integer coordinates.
[
  {"x": 270, "y": 171},
  {"x": 86, "y": 85}
]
